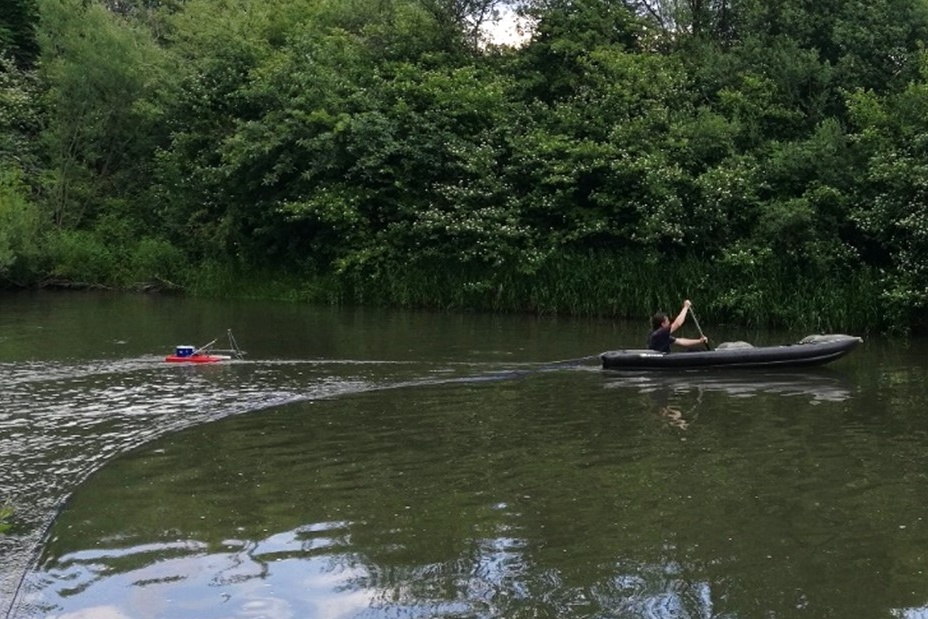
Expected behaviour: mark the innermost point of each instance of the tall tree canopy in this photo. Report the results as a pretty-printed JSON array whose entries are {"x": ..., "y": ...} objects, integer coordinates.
[{"x": 17, "y": 30}]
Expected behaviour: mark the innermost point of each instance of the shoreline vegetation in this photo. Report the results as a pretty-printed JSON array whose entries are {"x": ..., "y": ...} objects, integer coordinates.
[
  {"x": 590, "y": 285},
  {"x": 770, "y": 160}
]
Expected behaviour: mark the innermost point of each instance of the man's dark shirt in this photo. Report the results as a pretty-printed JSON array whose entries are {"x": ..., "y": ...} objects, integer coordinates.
[{"x": 660, "y": 340}]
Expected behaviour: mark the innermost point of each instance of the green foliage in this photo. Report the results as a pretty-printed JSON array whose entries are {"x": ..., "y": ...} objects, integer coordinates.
[
  {"x": 878, "y": 43},
  {"x": 81, "y": 257},
  {"x": 891, "y": 133},
  {"x": 101, "y": 76},
  {"x": 21, "y": 218},
  {"x": 203, "y": 205},
  {"x": 20, "y": 229},
  {"x": 552, "y": 66},
  {"x": 20, "y": 116},
  {"x": 17, "y": 31},
  {"x": 368, "y": 147},
  {"x": 747, "y": 287},
  {"x": 98, "y": 258},
  {"x": 754, "y": 285},
  {"x": 158, "y": 262},
  {"x": 347, "y": 164}
]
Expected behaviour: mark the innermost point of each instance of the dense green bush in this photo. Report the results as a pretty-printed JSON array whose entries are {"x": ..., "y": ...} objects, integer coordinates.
[
  {"x": 20, "y": 229},
  {"x": 83, "y": 258},
  {"x": 156, "y": 261}
]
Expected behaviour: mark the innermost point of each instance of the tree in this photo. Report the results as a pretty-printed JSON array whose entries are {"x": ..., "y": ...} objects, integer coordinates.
[
  {"x": 696, "y": 18},
  {"x": 103, "y": 102},
  {"x": 17, "y": 31},
  {"x": 891, "y": 135},
  {"x": 462, "y": 18},
  {"x": 20, "y": 229},
  {"x": 20, "y": 116},
  {"x": 553, "y": 64}
]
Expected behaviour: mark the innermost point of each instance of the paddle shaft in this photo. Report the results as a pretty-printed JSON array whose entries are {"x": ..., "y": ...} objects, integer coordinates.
[{"x": 698, "y": 328}]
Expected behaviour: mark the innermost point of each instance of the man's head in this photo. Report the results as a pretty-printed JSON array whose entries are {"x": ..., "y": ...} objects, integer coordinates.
[{"x": 658, "y": 320}]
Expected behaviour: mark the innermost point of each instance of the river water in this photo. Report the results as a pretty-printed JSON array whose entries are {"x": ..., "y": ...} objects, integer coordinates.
[{"x": 365, "y": 463}]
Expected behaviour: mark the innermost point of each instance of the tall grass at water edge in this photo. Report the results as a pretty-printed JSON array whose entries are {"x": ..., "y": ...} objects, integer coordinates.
[{"x": 593, "y": 284}]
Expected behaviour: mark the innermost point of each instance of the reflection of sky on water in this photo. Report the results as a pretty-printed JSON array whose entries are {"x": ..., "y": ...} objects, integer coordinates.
[
  {"x": 661, "y": 592},
  {"x": 274, "y": 578},
  {"x": 60, "y": 421},
  {"x": 288, "y": 575}
]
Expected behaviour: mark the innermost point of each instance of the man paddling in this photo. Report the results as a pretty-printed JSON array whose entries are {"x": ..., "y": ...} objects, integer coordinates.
[{"x": 662, "y": 329}]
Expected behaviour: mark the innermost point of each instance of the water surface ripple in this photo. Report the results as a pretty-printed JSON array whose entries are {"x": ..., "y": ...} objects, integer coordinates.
[
  {"x": 60, "y": 421},
  {"x": 405, "y": 465}
]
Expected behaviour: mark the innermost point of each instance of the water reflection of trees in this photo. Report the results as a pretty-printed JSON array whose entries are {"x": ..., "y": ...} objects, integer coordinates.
[{"x": 546, "y": 497}]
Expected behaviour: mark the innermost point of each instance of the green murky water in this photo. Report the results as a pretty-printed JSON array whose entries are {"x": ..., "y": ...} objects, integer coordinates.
[{"x": 387, "y": 465}]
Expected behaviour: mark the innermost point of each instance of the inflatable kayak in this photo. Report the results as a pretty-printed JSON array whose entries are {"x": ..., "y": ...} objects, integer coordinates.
[{"x": 812, "y": 350}]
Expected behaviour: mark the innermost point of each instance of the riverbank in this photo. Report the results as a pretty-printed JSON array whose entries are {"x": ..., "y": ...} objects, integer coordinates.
[
  {"x": 591, "y": 284},
  {"x": 746, "y": 291}
]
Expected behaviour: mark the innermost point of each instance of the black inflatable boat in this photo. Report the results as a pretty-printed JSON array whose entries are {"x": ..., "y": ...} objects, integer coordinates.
[{"x": 812, "y": 350}]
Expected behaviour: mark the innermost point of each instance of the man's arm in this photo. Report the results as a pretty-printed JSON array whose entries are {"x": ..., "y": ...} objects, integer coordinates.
[
  {"x": 681, "y": 317},
  {"x": 686, "y": 342}
]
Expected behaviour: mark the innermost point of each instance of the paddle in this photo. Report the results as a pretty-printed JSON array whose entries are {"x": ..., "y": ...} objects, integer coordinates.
[{"x": 698, "y": 328}]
